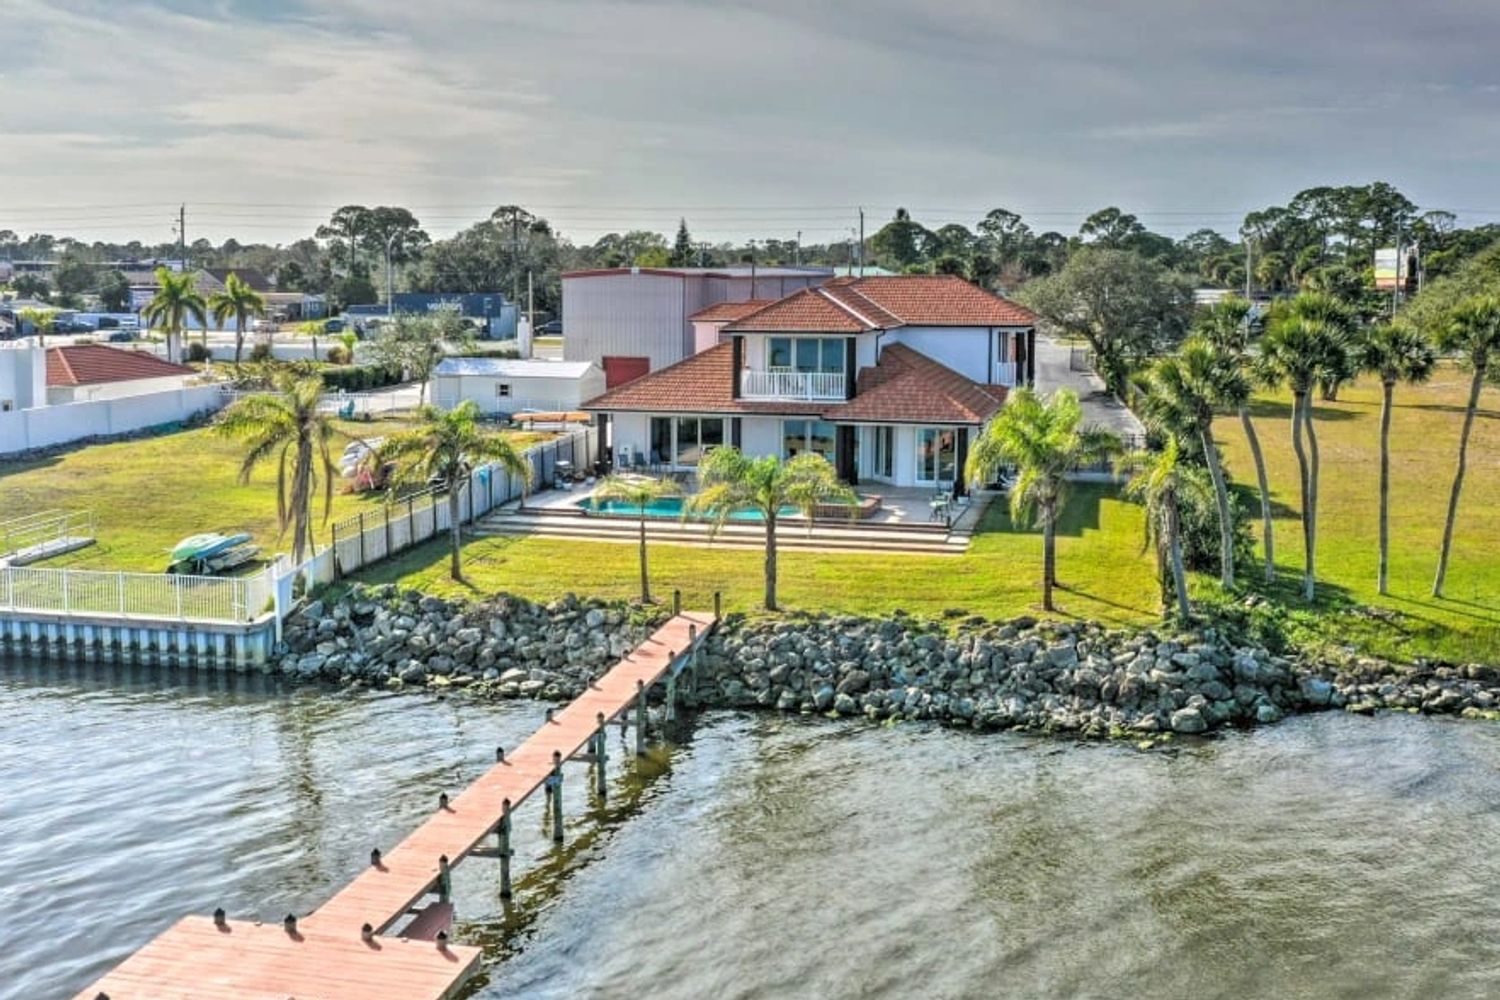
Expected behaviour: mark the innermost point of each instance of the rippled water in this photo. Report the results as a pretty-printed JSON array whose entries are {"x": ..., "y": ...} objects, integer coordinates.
[{"x": 1329, "y": 856}]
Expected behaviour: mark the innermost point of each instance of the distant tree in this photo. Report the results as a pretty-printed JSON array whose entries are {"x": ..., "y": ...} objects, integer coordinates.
[
  {"x": 1394, "y": 353},
  {"x": 287, "y": 428},
  {"x": 344, "y": 232},
  {"x": 73, "y": 275},
  {"x": 240, "y": 301},
  {"x": 114, "y": 292},
  {"x": 290, "y": 277},
  {"x": 1127, "y": 308},
  {"x": 1472, "y": 331},
  {"x": 732, "y": 482},
  {"x": 30, "y": 286},
  {"x": 636, "y": 492},
  {"x": 684, "y": 254},
  {"x": 1110, "y": 227},
  {"x": 902, "y": 242},
  {"x": 176, "y": 301},
  {"x": 416, "y": 345},
  {"x": 1044, "y": 441},
  {"x": 354, "y": 288},
  {"x": 448, "y": 447}
]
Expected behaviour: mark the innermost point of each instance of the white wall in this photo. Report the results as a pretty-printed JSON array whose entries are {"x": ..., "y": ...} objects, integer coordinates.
[
  {"x": 23, "y": 374},
  {"x": 528, "y": 392},
  {"x": 59, "y": 394},
  {"x": 760, "y": 436},
  {"x": 964, "y": 349},
  {"x": 44, "y": 427}
]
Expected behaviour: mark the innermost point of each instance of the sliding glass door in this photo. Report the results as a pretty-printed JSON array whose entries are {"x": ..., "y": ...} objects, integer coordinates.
[{"x": 937, "y": 455}]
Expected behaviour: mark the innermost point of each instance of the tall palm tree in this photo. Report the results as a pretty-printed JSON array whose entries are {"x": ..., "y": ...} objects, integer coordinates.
[
  {"x": 1473, "y": 330},
  {"x": 1297, "y": 351},
  {"x": 41, "y": 320},
  {"x": 449, "y": 446},
  {"x": 1159, "y": 480},
  {"x": 241, "y": 301},
  {"x": 1184, "y": 392},
  {"x": 1044, "y": 441},
  {"x": 637, "y": 492},
  {"x": 732, "y": 482},
  {"x": 1227, "y": 326},
  {"x": 1340, "y": 324},
  {"x": 176, "y": 300},
  {"x": 285, "y": 428},
  {"x": 1396, "y": 353}
]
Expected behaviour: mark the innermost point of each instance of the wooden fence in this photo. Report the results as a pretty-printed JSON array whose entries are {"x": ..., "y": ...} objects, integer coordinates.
[{"x": 369, "y": 537}]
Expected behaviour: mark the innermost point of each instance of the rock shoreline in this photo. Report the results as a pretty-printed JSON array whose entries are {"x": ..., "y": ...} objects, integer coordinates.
[{"x": 1079, "y": 679}]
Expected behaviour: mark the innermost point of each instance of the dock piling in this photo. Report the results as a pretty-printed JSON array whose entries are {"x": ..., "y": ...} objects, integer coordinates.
[
  {"x": 557, "y": 777},
  {"x": 669, "y": 713},
  {"x": 640, "y": 718},
  {"x": 718, "y": 605},
  {"x": 503, "y": 835},
  {"x": 676, "y": 603},
  {"x": 444, "y": 879}
]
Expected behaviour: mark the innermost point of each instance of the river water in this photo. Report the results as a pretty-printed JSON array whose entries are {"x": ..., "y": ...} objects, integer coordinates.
[{"x": 758, "y": 856}]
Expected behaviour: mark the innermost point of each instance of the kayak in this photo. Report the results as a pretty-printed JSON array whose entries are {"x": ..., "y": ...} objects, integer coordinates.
[{"x": 207, "y": 544}]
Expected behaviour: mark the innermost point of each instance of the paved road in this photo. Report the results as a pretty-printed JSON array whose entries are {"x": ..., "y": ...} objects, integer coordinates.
[{"x": 1099, "y": 407}]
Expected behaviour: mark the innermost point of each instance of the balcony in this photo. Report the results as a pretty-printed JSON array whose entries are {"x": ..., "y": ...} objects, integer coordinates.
[
  {"x": 782, "y": 383},
  {"x": 1005, "y": 373}
]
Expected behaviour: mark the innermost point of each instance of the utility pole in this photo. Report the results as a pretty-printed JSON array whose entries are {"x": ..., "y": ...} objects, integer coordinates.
[
  {"x": 515, "y": 256},
  {"x": 797, "y": 250},
  {"x": 703, "y": 254},
  {"x": 861, "y": 241},
  {"x": 390, "y": 298},
  {"x": 1396, "y": 286},
  {"x": 752, "y": 269},
  {"x": 1247, "y": 267},
  {"x": 530, "y": 302},
  {"x": 182, "y": 237}
]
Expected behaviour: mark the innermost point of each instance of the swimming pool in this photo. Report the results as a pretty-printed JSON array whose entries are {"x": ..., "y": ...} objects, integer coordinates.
[{"x": 665, "y": 507}]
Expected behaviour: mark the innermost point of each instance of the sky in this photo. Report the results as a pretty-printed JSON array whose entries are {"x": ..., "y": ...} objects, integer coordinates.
[{"x": 755, "y": 118}]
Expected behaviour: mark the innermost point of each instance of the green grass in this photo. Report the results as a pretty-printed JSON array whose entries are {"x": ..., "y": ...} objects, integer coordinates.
[
  {"x": 148, "y": 493},
  {"x": 1425, "y": 426},
  {"x": 1103, "y": 572}
]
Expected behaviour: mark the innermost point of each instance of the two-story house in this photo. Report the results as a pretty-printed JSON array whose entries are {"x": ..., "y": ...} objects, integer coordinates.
[{"x": 889, "y": 378}]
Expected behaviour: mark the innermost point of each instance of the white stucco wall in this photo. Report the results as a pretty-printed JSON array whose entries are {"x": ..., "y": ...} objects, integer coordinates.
[
  {"x": 44, "y": 427},
  {"x": 23, "y": 375},
  {"x": 526, "y": 392},
  {"x": 58, "y": 394},
  {"x": 760, "y": 436}
]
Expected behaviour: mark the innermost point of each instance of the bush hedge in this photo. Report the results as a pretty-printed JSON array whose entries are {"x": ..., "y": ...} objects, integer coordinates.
[{"x": 353, "y": 378}]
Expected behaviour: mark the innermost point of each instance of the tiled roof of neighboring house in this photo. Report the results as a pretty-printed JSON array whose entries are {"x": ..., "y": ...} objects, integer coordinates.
[
  {"x": 724, "y": 312},
  {"x": 249, "y": 275},
  {"x": 90, "y": 364},
  {"x": 853, "y": 305},
  {"x": 905, "y": 387}
]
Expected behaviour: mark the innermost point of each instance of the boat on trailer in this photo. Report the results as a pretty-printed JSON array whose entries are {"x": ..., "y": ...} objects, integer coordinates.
[{"x": 210, "y": 552}]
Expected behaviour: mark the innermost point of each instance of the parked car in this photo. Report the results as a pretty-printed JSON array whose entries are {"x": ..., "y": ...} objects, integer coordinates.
[
  {"x": 121, "y": 336},
  {"x": 551, "y": 328},
  {"x": 334, "y": 326}
]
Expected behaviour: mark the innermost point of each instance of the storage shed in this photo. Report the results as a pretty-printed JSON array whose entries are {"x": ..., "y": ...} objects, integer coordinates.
[{"x": 502, "y": 385}]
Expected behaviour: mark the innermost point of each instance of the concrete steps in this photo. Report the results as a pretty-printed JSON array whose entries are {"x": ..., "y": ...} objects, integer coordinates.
[{"x": 791, "y": 536}]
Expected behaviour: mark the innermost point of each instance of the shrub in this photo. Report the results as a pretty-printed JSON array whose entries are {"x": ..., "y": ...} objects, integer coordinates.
[
  {"x": 352, "y": 378},
  {"x": 198, "y": 352},
  {"x": 338, "y": 355},
  {"x": 1200, "y": 532},
  {"x": 260, "y": 352}
]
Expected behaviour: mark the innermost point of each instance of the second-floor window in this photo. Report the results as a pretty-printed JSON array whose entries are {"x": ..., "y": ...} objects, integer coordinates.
[{"x": 805, "y": 354}]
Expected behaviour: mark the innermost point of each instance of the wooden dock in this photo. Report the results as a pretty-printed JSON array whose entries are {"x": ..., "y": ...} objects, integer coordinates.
[{"x": 345, "y": 950}]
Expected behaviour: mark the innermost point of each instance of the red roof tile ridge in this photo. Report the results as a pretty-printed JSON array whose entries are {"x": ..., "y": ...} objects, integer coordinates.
[{"x": 839, "y": 301}]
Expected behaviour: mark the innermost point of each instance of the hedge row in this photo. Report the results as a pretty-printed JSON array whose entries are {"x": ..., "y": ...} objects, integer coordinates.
[{"x": 352, "y": 378}]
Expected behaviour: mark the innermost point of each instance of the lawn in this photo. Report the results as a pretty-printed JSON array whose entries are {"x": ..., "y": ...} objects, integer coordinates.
[
  {"x": 1425, "y": 428},
  {"x": 1103, "y": 572},
  {"x": 150, "y": 492}
]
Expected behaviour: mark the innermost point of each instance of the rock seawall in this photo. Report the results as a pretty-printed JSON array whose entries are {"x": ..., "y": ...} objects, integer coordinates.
[{"x": 1047, "y": 676}]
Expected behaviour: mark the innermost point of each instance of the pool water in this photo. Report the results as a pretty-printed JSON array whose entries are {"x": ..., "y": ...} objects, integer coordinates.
[{"x": 665, "y": 507}]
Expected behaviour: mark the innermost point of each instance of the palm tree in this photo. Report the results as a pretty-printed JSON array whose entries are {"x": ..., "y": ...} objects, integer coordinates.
[
  {"x": 286, "y": 428},
  {"x": 1158, "y": 481},
  {"x": 1473, "y": 329},
  {"x": 1341, "y": 325},
  {"x": 176, "y": 300},
  {"x": 1396, "y": 353},
  {"x": 1044, "y": 441},
  {"x": 730, "y": 482},
  {"x": 42, "y": 320},
  {"x": 1297, "y": 351},
  {"x": 637, "y": 492},
  {"x": 448, "y": 446},
  {"x": 1227, "y": 326},
  {"x": 241, "y": 301},
  {"x": 1183, "y": 394}
]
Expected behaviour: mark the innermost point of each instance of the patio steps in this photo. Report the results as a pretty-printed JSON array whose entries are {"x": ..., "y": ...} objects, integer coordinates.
[{"x": 790, "y": 536}]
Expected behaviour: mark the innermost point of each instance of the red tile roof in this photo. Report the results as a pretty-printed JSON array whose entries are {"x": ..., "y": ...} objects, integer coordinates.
[
  {"x": 904, "y": 387},
  {"x": 723, "y": 312},
  {"x": 854, "y": 305},
  {"x": 90, "y": 364}
]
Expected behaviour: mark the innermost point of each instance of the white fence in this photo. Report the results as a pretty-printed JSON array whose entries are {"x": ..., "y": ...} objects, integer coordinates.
[
  {"x": 144, "y": 595},
  {"x": 396, "y": 397},
  {"x": 45, "y": 426},
  {"x": 372, "y": 536}
]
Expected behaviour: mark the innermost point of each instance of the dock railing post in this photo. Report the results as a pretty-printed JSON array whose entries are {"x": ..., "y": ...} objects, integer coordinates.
[
  {"x": 640, "y": 718},
  {"x": 503, "y": 834},
  {"x": 444, "y": 880},
  {"x": 557, "y": 817},
  {"x": 601, "y": 758},
  {"x": 676, "y": 602},
  {"x": 718, "y": 605},
  {"x": 670, "y": 713},
  {"x": 692, "y": 667}
]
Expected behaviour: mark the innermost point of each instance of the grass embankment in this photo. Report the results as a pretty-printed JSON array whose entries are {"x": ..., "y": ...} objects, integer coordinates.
[
  {"x": 1425, "y": 427},
  {"x": 1104, "y": 574},
  {"x": 149, "y": 493}
]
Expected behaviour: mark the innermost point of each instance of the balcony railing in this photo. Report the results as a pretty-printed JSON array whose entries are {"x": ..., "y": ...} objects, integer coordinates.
[
  {"x": 782, "y": 384},
  {"x": 1005, "y": 373}
]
